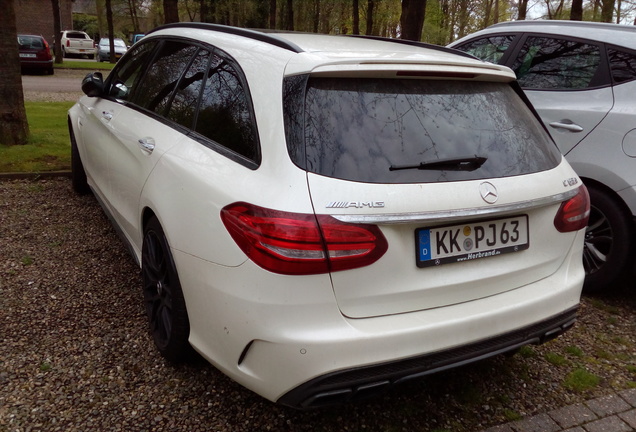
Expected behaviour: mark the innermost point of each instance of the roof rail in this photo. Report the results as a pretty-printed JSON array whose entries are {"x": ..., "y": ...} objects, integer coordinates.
[
  {"x": 252, "y": 34},
  {"x": 417, "y": 44},
  {"x": 589, "y": 24}
]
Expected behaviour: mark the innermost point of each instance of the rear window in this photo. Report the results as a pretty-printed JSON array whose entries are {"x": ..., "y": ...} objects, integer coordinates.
[{"x": 398, "y": 131}]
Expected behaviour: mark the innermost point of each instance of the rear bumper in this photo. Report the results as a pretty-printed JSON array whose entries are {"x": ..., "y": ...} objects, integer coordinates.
[
  {"x": 285, "y": 339},
  {"x": 363, "y": 382},
  {"x": 36, "y": 64}
]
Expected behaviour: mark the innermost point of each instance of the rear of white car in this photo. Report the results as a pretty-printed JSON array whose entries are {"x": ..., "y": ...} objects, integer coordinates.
[{"x": 407, "y": 214}]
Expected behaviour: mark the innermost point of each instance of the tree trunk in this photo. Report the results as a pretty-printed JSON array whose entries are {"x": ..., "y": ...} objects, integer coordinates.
[
  {"x": 523, "y": 9},
  {"x": 111, "y": 33},
  {"x": 57, "y": 32},
  {"x": 272, "y": 14},
  {"x": 289, "y": 15},
  {"x": 369, "y": 29},
  {"x": 14, "y": 128},
  {"x": 356, "y": 18},
  {"x": 412, "y": 19},
  {"x": 576, "y": 14},
  {"x": 170, "y": 11},
  {"x": 607, "y": 11}
]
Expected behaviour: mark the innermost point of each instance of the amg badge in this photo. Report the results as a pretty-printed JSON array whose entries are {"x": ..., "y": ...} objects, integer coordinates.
[{"x": 355, "y": 204}]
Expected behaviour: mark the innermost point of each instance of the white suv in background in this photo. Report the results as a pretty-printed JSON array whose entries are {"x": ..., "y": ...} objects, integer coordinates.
[
  {"x": 581, "y": 78},
  {"x": 322, "y": 217}
]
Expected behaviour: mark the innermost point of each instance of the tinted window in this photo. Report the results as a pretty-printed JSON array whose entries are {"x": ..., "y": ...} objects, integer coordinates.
[
  {"x": 490, "y": 49},
  {"x": 622, "y": 65},
  {"x": 225, "y": 111},
  {"x": 184, "y": 105},
  {"x": 547, "y": 63},
  {"x": 356, "y": 129},
  {"x": 125, "y": 76},
  {"x": 163, "y": 75}
]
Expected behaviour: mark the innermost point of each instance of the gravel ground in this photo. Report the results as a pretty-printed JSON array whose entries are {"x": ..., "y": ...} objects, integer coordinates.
[{"x": 75, "y": 353}]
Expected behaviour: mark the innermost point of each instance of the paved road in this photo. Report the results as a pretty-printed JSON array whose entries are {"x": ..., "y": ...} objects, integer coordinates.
[{"x": 63, "y": 81}]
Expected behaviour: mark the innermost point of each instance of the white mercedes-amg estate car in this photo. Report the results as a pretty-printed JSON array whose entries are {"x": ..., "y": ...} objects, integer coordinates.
[{"x": 323, "y": 217}]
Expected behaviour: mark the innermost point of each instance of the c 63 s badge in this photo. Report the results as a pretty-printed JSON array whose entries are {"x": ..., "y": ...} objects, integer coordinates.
[{"x": 355, "y": 204}]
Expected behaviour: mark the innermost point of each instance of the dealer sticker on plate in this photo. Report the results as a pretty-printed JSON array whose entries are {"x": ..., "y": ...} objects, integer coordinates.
[{"x": 467, "y": 242}]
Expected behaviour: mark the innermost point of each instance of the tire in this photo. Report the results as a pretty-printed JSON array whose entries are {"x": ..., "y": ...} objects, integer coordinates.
[
  {"x": 607, "y": 251},
  {"x": 163, "y": 298},
  {"x": 78, "y": 175}
]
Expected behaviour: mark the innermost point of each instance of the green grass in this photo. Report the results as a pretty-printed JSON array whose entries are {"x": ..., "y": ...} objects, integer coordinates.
[
  {"x": 90, "y": 65},
  {"x": 581, "y": 380},
  {"x": 48, "y": 148}
]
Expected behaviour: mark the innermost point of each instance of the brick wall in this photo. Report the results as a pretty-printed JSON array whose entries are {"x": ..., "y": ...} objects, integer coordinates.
[{"x": 36, "y": 17}]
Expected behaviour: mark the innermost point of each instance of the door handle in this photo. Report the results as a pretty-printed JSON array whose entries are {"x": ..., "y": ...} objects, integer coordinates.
[
  {"x": 147, "y": 144},
  {"x": 567, "y": 125},
  {"x": 107, "y": 115}
]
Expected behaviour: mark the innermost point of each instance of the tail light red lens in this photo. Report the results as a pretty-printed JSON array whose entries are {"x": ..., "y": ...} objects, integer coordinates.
[
  {"x": 301, "y": 244},
  {"x": 574, "y": 213}
]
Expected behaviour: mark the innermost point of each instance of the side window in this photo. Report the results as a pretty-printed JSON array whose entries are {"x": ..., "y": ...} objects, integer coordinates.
[
  {"x": 557, "y": 64},
  {"x": 490, "y": 49},
  {"x": 161, "y": 78},
  {"x": 622, "y": 65},
  {"x": 225, "y": 114},
  {"x": 124, "y": 78},
  {"x": 184, "y": 104}
]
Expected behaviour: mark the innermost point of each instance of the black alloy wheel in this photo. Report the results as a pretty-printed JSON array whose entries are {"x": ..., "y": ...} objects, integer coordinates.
[
  {"x": 163, "y": 297},
  {"x": 608, "y": 239},
  {"x": 78, "y": 175}
]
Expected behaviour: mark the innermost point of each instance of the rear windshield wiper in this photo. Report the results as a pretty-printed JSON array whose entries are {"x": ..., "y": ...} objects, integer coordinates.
[{"x": 470, "y": 163}]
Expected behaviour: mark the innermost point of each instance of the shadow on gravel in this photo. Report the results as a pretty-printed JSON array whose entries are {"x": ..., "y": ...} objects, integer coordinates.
[{"x": 75, "y": 353}]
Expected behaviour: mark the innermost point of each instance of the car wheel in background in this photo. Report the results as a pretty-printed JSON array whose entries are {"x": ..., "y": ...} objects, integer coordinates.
[
  {"x": 78, "y": 175},
  {"x": 163, "y": 297},
  {"x": 607, "y": 248}
]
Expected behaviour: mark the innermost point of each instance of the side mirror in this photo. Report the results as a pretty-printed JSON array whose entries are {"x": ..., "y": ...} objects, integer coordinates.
[{"x": 93, "y": 84}]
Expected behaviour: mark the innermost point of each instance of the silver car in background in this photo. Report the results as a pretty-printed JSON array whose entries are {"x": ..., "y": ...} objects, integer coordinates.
[{"x": 581, "y": 79}]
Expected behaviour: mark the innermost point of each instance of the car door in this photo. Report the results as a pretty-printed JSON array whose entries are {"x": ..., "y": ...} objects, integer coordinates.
[
  {"x": 142, "y": 133},
  {"x": 567, "y": 81}
]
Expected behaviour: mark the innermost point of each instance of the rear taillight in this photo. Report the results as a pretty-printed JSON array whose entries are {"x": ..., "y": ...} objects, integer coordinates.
[
  {"x": 574, "y": 213},
  {"x": 301, "y": 244},
  {"x": 68, "y": 43}
]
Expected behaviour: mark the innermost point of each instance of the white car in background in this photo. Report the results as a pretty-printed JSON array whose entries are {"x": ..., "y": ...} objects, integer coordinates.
[
  {"x": 581, "y": 78},
  {"x": 322, "y": 217}
]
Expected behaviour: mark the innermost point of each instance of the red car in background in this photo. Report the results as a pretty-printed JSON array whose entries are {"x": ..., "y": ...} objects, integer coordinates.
[{"x": 35, "y": 54}]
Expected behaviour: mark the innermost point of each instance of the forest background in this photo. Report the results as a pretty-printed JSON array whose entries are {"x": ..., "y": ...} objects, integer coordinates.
[{"x": 433, "y": 21}]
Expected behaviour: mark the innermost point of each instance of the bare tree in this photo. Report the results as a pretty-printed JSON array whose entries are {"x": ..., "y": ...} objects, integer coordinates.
[
  {"x": 111, "y": 33},
  {"x": 356, "y": 17},
  {"x": 370, "y": 5},
  {"x": 170, "y": 11},
  {"x": 607, "y": 10},
  {"x": 412, "y": 19},
  {"x": 523, "y": 9},
  {"x": 57, "y": 32},
  {"x": 576, "y": 13},
  {"x": 272, "y": 14},
  {"x": 14, "y": 128}
]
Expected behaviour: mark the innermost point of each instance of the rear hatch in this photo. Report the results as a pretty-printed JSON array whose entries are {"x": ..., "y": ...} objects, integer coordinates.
[{"x": 460, "y": 177}]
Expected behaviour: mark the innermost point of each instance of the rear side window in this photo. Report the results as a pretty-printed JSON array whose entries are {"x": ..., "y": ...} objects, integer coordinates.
[
  {"x": 557, "y": 64},
  {"x": 184, "y": 104},
  {"x": 225, "y": 114},
  {"x": 490, "y": 49},
  {"x": 622, "y": 65},
  {"x": 381, "y": 130}
]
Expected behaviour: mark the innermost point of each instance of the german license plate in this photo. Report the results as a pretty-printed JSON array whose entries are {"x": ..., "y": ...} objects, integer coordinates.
[
  {"x": 27, "y": 55},
  {"x": 471, "y": 241}
]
